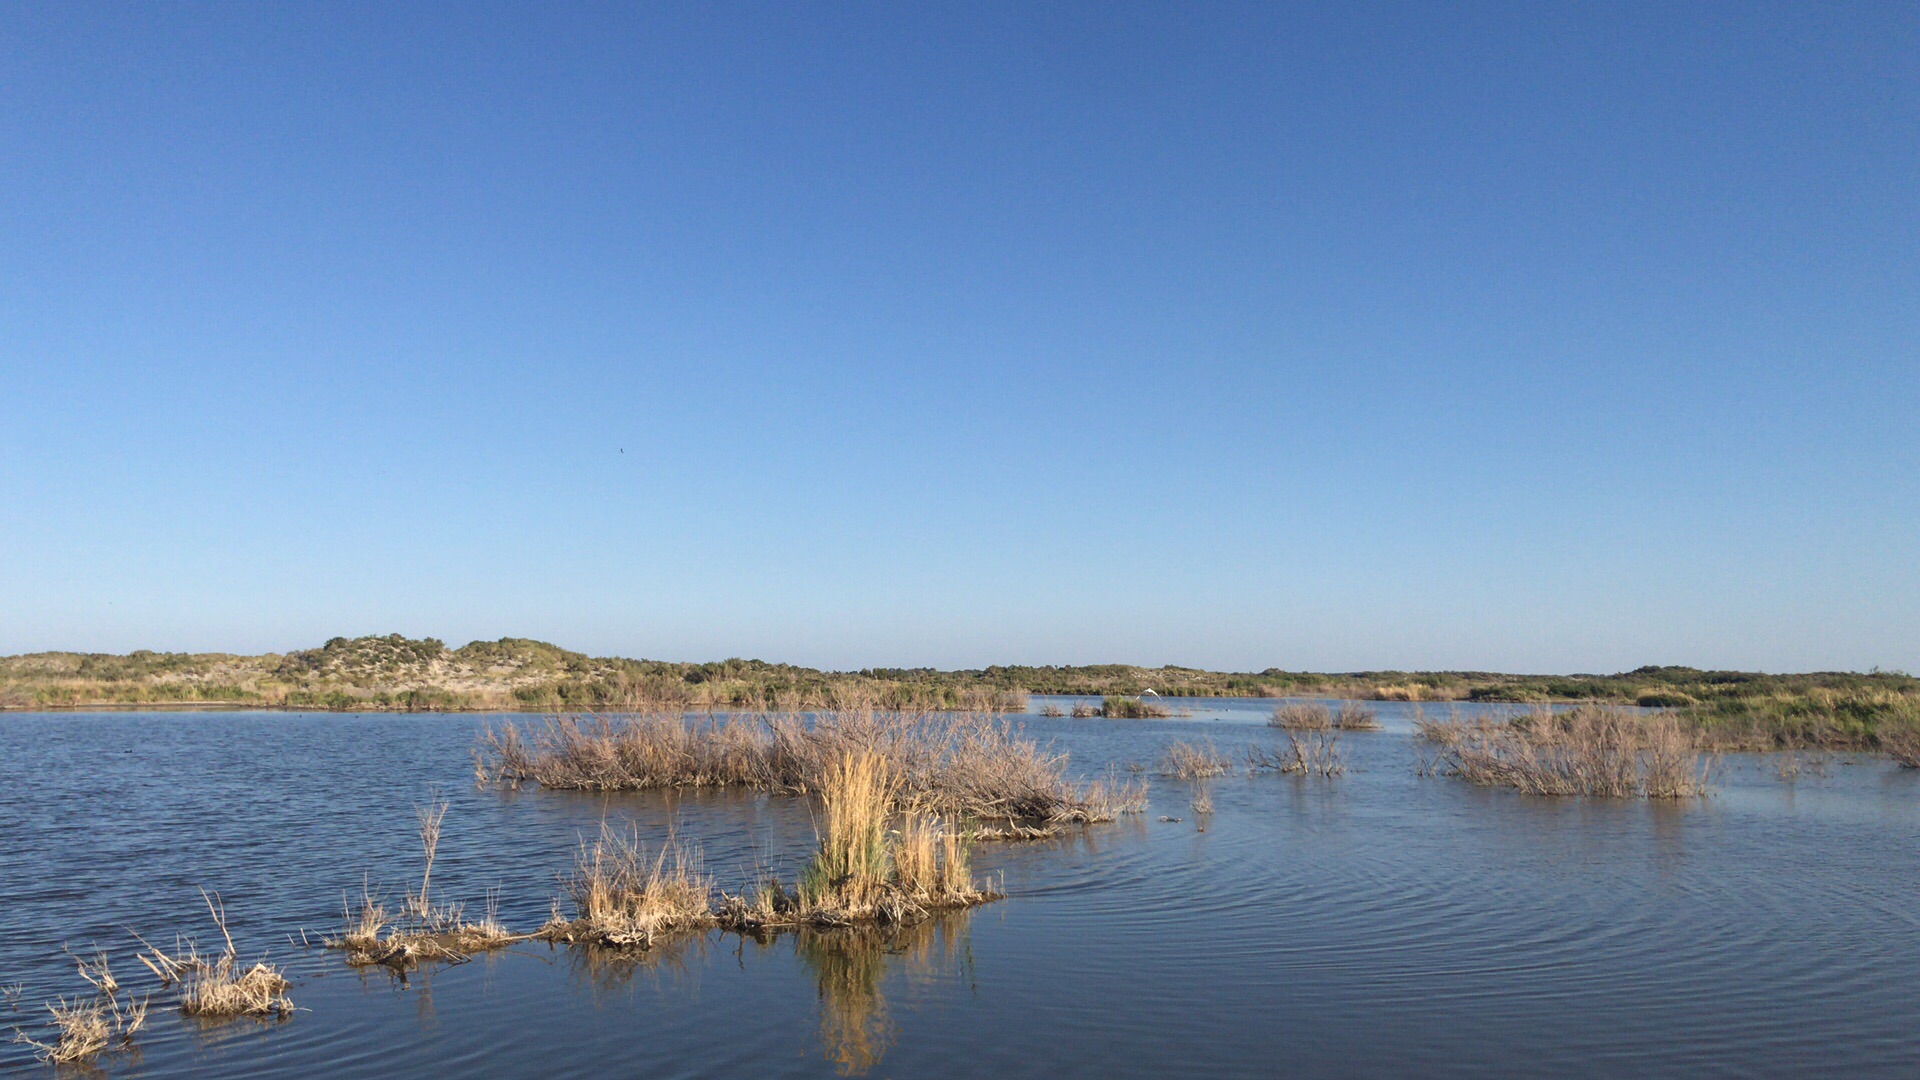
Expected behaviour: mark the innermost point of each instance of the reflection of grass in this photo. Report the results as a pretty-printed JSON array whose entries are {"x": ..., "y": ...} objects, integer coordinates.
[{"x": 849, "y": 968}]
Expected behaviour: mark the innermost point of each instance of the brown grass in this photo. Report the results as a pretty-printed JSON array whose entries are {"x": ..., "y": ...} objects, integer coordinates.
[
  {"x": 863, "y": 871},
  {"x": 1590, "y": 750},
  {"x": 219, "y": 986},
  {"x": 1183, "y": 760},
  {"x": 626, "y": 897},
  {"x": 968, "y": 766},
  {"x": 422, "y": 930},
  {"x": 83, "y": 1028}
]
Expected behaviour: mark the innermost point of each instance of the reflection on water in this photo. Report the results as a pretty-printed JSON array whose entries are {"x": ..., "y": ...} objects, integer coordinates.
[{"x": 1424, "y": 925}]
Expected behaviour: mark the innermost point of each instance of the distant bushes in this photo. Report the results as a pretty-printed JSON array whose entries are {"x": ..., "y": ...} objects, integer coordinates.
[
  {"x": 1590, "y": 750},
  {"x": 1131, "y": 708}
]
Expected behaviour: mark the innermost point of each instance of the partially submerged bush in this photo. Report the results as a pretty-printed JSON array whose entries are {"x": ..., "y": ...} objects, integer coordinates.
[
  {"x": 969, "y": 766},
  {"x": 1590, "y": 750},
  {"x": 1183, "y": 760},
  {"x": 1132, "y": 708},
  {"x": 1313, "y": 752},
  {"x": 1898, "y": 733}
]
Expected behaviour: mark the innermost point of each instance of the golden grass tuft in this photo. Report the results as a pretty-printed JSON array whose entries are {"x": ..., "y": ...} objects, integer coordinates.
[
  {"x": 626, "y": 897},
  {"x": 219, "y": 986},
  {"x": 84, "y": 1028},
  {"x": 1589, "y": 750},
  {"x": 863, "y": 871},
  {"x": 421, "y": 931},
  {"x": 1316, "y": 716},
  {"x": 1899, "y": 735}
]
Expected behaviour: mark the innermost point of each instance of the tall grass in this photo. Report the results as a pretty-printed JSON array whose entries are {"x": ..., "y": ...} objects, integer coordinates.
[
  {"x": 1315, "y": 716},
  {"x": 1183, "y": 760},
  {"x": 1132, "y": 708},
  {"x": 1590, "y": 750},
  {"x": 625, "y": 896}
]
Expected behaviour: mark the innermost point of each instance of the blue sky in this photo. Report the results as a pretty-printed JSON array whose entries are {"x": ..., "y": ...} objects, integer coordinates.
[{"x": 1529, "y": 337}]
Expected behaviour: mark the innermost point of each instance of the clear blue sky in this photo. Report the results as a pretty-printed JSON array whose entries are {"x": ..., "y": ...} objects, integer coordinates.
[{"x": 1533, "y": 337}]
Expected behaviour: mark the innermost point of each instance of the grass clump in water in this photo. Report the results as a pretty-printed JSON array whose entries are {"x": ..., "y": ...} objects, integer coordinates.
[
  {"x": 218, "y": 986},
  {"x": 1316, "y": 716},
  {"x": 625, "y": 896},
  {"x": 1589, "y": 750},
  {"x": 422, "y": 930},
  {"x": 1312, "y": 752},
  {"x": 865, "y": 871},
  {"x": 84, "y": 1028}
]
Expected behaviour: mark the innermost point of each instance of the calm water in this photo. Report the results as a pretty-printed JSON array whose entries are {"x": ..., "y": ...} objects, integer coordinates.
[{"x": 1379, "y": 923}]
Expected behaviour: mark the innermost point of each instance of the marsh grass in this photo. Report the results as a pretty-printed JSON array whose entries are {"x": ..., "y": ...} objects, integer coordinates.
[
  {"x": 1183, "y": 760},
  {"x": 626, "y": 897},
  {"x": 1898, "y": 733},
  {"x": 83, "y": 1028},
  {"x": 1316, "y": 716},
  {"x": 1589, "y": 750},
  {"x": 864, "y": 869},
  {"x": 976, "y": 767},
  {"x": 1083, "y": 711},
  {"x": 421, "y": 930},
  {"x": 219, "y": 986}
]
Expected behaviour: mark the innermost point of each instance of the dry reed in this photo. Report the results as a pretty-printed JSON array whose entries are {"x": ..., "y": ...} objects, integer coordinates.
[
  {"x": 1316, "y": 716},
  {"x": 626, "y": 897},
  {"x": 83, "y": 1028},
  {"x": 1313, "y": 752},
  {"x": 219, "y": 986},
  {"x": 422, "y": 930}
]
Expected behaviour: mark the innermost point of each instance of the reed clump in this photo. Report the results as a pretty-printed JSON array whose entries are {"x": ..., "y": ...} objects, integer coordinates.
[
  {"x": 625, "y": 896},
  {"x": 421, "y": 930},
  {"x": 220, "y": 986},
  {"x": 85, "y": 1027},
  {"x": 961, "y": 766},
  {"x": 1183, "y": 760},
  {"x": 864, "y": 869},
  {"x": 1589, "y": 750},
  {"x": 1083, "y": 711}
]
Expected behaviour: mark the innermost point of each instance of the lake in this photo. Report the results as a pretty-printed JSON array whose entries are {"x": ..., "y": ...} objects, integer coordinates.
[{"x": 1377, "y": 923}]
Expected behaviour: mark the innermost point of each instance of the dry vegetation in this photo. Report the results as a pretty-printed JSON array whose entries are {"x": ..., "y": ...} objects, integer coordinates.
[
  {"x": 1310, "y": 751},
  {"x": 1316, "y": 716},
  {"x": 81, "y": 1029},
  {"x": 1590, "y": 750},
  {"x": 963, "y": 767},
  {"x": 1132, "y": 708},
  {"x": 219, "y": 986},
  {"x": 1183, "y": 760},
  {"x": 421, "y": 930},
  {"x": 1899, "y": 736}
]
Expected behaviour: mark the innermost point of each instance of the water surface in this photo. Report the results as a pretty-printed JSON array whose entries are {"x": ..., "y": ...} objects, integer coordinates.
[{"x": 1377, "y": 923}]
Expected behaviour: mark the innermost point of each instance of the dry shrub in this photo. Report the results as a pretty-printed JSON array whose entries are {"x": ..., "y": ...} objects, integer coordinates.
[
  {"x": 1052, "y": 710},
  {"x": 1301, "y": 716},
  {"x": 625, "y": 897},
  {"x": 1313, "y": 752},
  {"x": 1132, "y": 708},
  {"x": 1590, "y": 750},
  {"x": 219, "y": 987},
  {"x": 1400, "y": 692},
  {"x": 1354, "y": 716},
  {"x": 973, "y": 766},
  {"x": 1083, "y": 711},
  {"x": 1183, "y": 760}
]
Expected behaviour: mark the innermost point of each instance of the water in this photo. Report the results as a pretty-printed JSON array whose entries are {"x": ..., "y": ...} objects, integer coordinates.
[{"x": 1376, "y": 923}]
